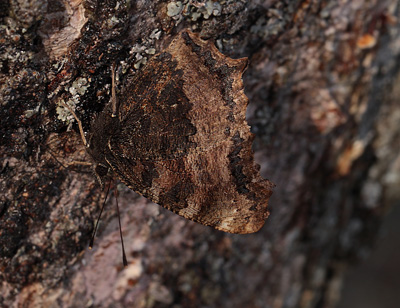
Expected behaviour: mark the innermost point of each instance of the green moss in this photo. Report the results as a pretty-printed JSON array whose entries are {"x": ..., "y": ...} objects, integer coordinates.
[
  {"x": 141, "y": 52},
  {"x": 194, "y": 11},
  {"x": 79, "y": 86},
  {"x": 174, "y": 8},
  {"x": 63, "y": 113}
]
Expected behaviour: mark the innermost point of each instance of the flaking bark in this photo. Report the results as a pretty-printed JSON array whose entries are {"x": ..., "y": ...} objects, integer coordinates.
[{"x": 323, "y": 104}]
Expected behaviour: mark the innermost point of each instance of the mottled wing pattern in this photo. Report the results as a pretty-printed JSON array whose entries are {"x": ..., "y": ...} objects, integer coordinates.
[{"x": 184, "y": 141}]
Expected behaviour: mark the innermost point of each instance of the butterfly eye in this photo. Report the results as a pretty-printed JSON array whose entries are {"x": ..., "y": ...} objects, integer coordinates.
[{"x": 101, "y": 170}]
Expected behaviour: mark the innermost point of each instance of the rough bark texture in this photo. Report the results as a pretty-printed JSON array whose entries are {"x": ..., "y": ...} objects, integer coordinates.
[{"x": 324, "y": 106}]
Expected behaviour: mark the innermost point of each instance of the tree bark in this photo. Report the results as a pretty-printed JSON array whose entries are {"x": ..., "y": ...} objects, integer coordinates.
[{"x": 323, "y": 88}]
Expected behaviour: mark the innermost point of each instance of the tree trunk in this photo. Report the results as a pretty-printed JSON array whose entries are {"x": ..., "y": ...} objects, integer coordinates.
[{"x": 321, "y": 82}]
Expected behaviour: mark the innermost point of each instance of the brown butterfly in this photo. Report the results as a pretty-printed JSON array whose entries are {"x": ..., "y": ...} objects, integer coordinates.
[{"x": 180, "y": 138}]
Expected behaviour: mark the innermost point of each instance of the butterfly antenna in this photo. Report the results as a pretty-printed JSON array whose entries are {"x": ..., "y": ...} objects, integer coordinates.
[
  {"x": 98, "y": 218},
  {"x": 114, "y": 96},
  {"x": 125, "y": 262}
]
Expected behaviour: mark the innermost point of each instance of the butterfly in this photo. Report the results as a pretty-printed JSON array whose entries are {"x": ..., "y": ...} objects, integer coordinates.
[{"x": 179, "y": 137}]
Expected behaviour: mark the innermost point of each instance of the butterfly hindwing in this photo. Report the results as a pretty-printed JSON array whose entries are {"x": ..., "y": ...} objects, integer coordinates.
[{"x": 184, "y": 142}]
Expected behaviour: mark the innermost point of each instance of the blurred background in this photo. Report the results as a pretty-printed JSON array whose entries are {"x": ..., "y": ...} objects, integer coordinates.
[{"x": 375, "y": 281}]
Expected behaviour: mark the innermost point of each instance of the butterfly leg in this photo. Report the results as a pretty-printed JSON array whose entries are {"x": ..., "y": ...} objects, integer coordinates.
[{"x": 77, "y": 121}]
